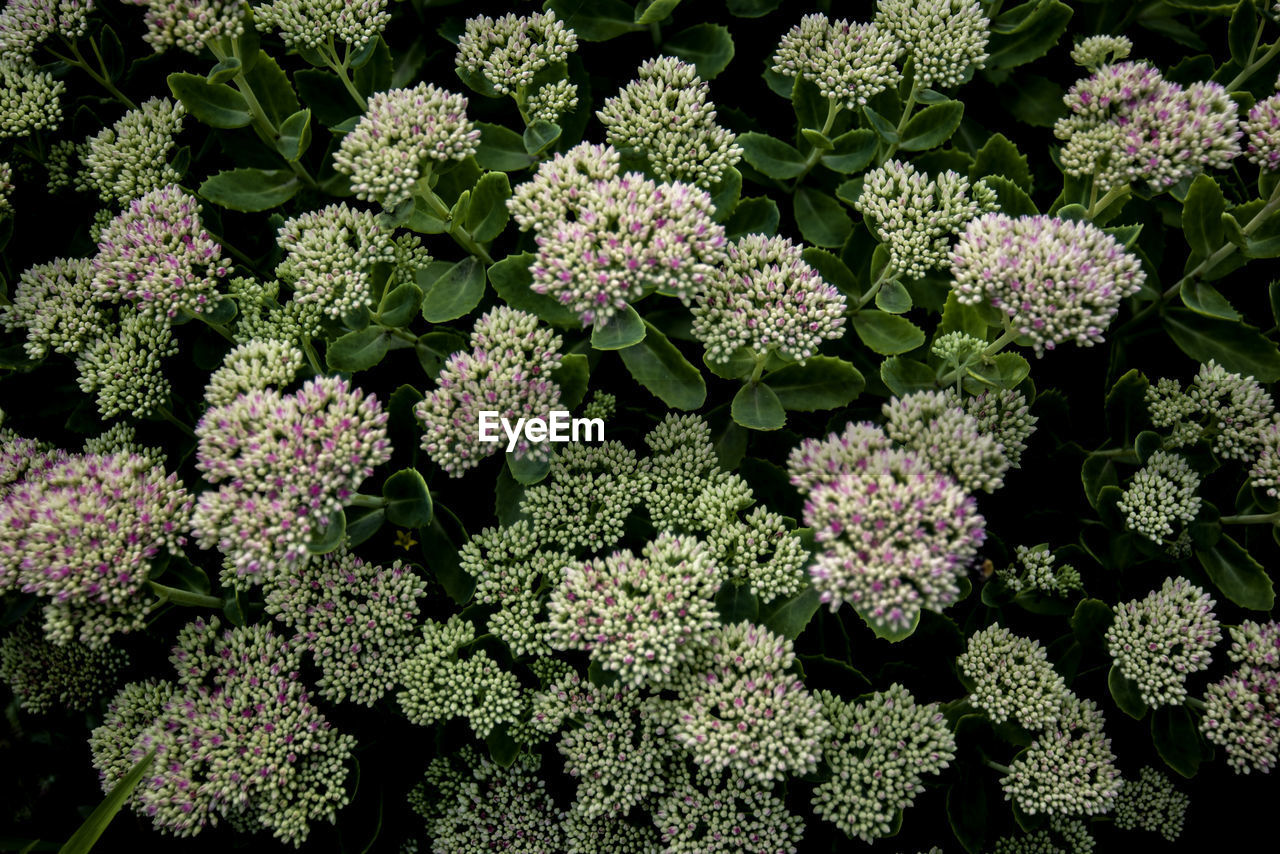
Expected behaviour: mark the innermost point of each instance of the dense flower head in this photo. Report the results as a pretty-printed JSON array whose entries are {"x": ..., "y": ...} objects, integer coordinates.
[
  {"x": 1003, "y": 413},
  {"x": 681, "y": 470},
  {"x": 122, "y": 438},
  {"x": 492, "y": 808},
  {"x": 1263, "y": 130},
  {"x": 1242, "y": 714},
  {"x": 283, "y": 465},
  {"x": 513, "y": 573},
  {"x": 738, "y": 706},
  {"x": 443, "y": 677},
  {"x": 6, "y": 190},
  {"x": 190, "y": 25},
  {"x": 878, "y": 749},
  {"x": 643, "y": 617},
  {"x": 1265, "y": 473},
  {"x": 45, "y": 677},
  {"x": 29, "y": 99},
  {"x": 767, "y": 299},
  {"x": 556, "y": 192},
  {"x": 1128, "y": 123},
  {"x": 1069, "y": 769},
  {"x": 817, "y": 461},
  {"x": 666, "y": 116},
  {"x": 722, "y": 812},
  {"x": 1161, "y": 495},
  {"x": 24, "y": 24},
  {"x": 552, "y": 101},
  {"x": 261, "y": 316},
  {"x": 849, "y": 63},
  {"x": 629, "y": 236},
  {"x": 1233, "y": 411},
  {"x": 22, "y": 458},
  {"x": 1010, "y": 677},
  {"x": 916, "y": 216},
  {"x": 357, "y": 620},
  {"x": 130, "y": 158},
  {"x": 1093, "y": 52},
  {"x": 1152, "y": 803},
  {"x": 760, "y": 551},
  {"x": 157, "y": 256},
  {"x": 1158, "y": 641},
  {"x": 253, "y": 366},
  {"x": 400, "y": 138},
  {"x": 894, "y": 536},
  {"x": 54, "y": 302},
  {"x": 1035, "y": 570},
  {"x": 236, "y": 739},
  {"x": 122, "y": 365},
  {"x": 587, "y": 497},
  {"x": 81, "y": 535},
  {"x": 510, "y": 51},
  {"x": 1058, "y": 281},
  {"x": 935, "y": 424},
  {"x": 313, "y": 24},
  {"x": 508, "y": 371},
  {"x": 590, "y": 836},
  {"x": 945, "y": 38},
  {"x": 62, "y": 162}
]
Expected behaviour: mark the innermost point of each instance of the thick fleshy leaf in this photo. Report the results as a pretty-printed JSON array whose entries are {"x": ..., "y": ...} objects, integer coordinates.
[
  {"x": 454, "y": 293},
  {"x": 1237, "y": 575},
  {"x": 657, "y": 365},
  {"x": 757, "y": 407},
  {"x": 887, "y": 334},
  {"x": 218, "y": 106},
  {"x": 408, "y": 499},
  {"x": 251, "y": 189},
  {"x": 822, "y": 382}
]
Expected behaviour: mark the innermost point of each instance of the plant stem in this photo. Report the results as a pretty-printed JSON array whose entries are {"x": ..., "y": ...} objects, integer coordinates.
[
  {"x": 1000, "y": 343},
  {"x": 1252, "y": 519},
  {"x": 1003, "y": 769},
  {"x": 1103, "y": 203},
  {"x": 312, "y": 358},
  {"x": 340, "y": 68},
  {"x": 1197, "y": 704},
  {"x": 375, "y": 501},
  {"x": 184, "y": 597},
  {"x": 907, "y": 109},
  {"x": 214, "y": 325},
  {"x": 815, "y": 153},
  {"x": 457, "y": 231},
  {"x": 77, "y": 59},
  {"x": 167, "y": 415},
  {"x": 1252, "y": 68}
]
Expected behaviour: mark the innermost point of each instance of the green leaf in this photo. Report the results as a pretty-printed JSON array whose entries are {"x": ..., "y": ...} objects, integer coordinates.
[
  {"x": 331, "y": 536},
  {"x": 654, "y": 11},
  {"x": 893, "y": 297},
  {"x": 726, "y": 194},
  {"x": 362, "y": 523},
  {"x": 408, "y": 499},
  {"x": 1242, "y": 30},
  {"x": 224, "y": 71},
  {"x": 217, "y": 106},
  {"x": 967, "y": 815},
  {"x": 817, "y": 138},
  {"x": 527, "y": 470},
  {"x": 595, "y": 20},
  {"x": 904, "y": 376},
  {"x": 295, "y": 136},
  {"x": 1090, "y": 622},
  {"x": 400, "y": 305},
  {"x": 738, "y": 366},
  {"x": 708, "y": 46},
  {"x": 358, "y": 351},
  {"x": 657, "y": 365},
  {"x": 1126, "y": 694},
  {"x": 540, "y": 136},
  {"x": 83, "y": 840},
  {"x": 851, "y": 151},
  {"x": 822, "y": 220},
  {"x": 932, "y": 126},
  {"x": 757, "y": 407},
  {"x": 501, "y": 149},
  {"x": 1202, "y": 216},
  {"x": 455, "y": 293},
  {"x": 958, "y": 317},
  {"x": 1177, "y": 739},
  {"x": 753, "y": 216},
  {"x": 503, "y": 749},
  {"x": 624, "y": 329},
  {"x": 373, "y": 74},
  {"x": 512, "y": 280},
  {"x": 885, "y": 129},
  {"x": 251, "y": 189},
  {"x": 324, "y": 93},
  {"x": 753, "y": 8},
  {"x": 887, "y": 334},
  {"x": 822, "y": 382},
  {"x": 788, "y": 617},
  {"x": 1237, "y": 347},
  {"x": 736, "y": 602},
  {"x": 1204, "y": 298},
  {"x": 1018, "y": 38},
  {"x": 771, "y": 156},
  {"x": 572, "y": 377},
  {"x": 1000, "y": 157},
  {"x": 487, "y": 216},
  {"x": 1237, "y": 575}
]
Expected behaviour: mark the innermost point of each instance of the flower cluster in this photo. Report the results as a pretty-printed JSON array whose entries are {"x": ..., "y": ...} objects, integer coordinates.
[
  {"x": 1232, "y": 411},
  {"x": 512, "y": 55},
  {"x": 1263, "y": 130},
  {"x": 400, "y": 138},
  {"x": 1003, "y": 413},
  {"x": 29, "y": 99},
  {"x": 491, "y": 808},
  {"x": 284, "y": 464},
  {"x": 54, "y": 302},
  {"x": 1153, "y": 804},
  {"x": 315, "y": 24},
  {"x": 122, "y": 365},
  {"x": 556, "y": 192},
  {"x": 721, "y": 812},
  {"x": 251, "y": 367},
  {"x": 82, "y": 533},
  {"x": 237, "y": 738},
  {"x": 24, "y": 24},
  {"x": 1127, "y": 123},
  {"x": 157, "y": 256},
  {"x": 1057, "y": 281},
  {"x": 1242, "y": 714},
  {"x": 191, "y": 25},
  {"x": 513, "y": 575},
  {"x": 1161, "y": 494},
  {"x": 1036, "y": 781},
  {"x": 1093, "y": 52},
  {"x": 45, "y": 676},
  {"x": 946, "y": 39},
  {"x": 508, "y": 371},
  {"x": 588, "y": 496},
  {"x": 1010, "y": 677},
  {"x": 767, "y": 299},
  {"x": 849, "y": 63},
  {"x": 1035, "y": 570},
  {"x": 1158, "y": 641},
  {"x": 666, "y": 117},
  {"x": 879, "y": 748},
  {"x": 759, "y": 551},
  {"x": 935, "y": 424},
  {"x": 130, "y": 158},
  {"x": 682, "y": 470}
]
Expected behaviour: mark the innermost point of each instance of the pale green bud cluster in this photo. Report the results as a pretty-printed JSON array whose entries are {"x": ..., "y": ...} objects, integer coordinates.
[
  {"x": 849, "y": 63},
  {"x": 947, "y": 39},
  {"x": 1242, "y": 713},
  {"x": 62, "y": 162},
  {"x": 1036, "y": 781},
  {"x": 1162, "y": 495},
  {"x": 666, "y": 116},
  {"x": 935, "y": 424},
  {"x": 878, "y": 750},
  {"x": 590, "y": 492},
  {"x": 514, "y": 575},
  {"x": 548, "y": 103},
  {"x": 760, "y": 551},
  {"x": 121, "y": 438},
  {"x": 493, "y": 808},
  {"x": 682, "y": 467},
  {"x": 45, "y": 677},
  {"x": 722, "y": 812},
  {"x": 315, "y": 24},
  {"x": 6, "y": 190},
  {"x": 555, "y": 191},
  {"x": 1093, "y": 52},
  {"x": 130, "y": 158},
  {"x": 399, "y": 139},
  {"x": 122, "y": 365},
  {"x": 24, "y": 24},
  {"x": 253, "y": 366},
  {"x": 602, "y": 405},
  {"x": 29, "y": 99},
  {"x": 190, "y": 25},
  {"x": 1004, "y": 414},
  {"x": 444, "y": 677},
  {"x": 916, "y": 216},
  {"x": 260, "y": 316},
  {"x": 1034, "y": 570},
  {"x": 592, "y": 836},
  {"x": 1158, "y": 641},
  {"x": 1232, "y": 411},
  {"x": 1010, "y": 678},
  {"x": 1152, "y": 803},
  {"x": 55, "y": 303},
  {"x": 513, "y": 56},
  {"x": 1265, "y": 473}
]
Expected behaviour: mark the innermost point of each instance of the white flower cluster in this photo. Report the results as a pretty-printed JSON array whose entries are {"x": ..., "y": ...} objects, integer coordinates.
[
  {"x": 1010, "y": 677},
  {"x": 946, "y": 39},
  {"x": 1263, "y": 129},
  {"x": 55, "y": 303},
  {"x": 1035, "y": 570},
  {"x": 1161, "y": 495},
  {"x": 1093, "y": 52},
  {"x": 1233, "y": 412},
  {"x": 513, "y": 55},
  {"x": 936, "y": 425},
  {"x": 849, "y": 63},
  {"x": 1152, "y": 803},
  {"x": 29, "y": 99},
  {"x": 130, "y": 158},
  {"x": 191, "y": 24},
  {"x": 1160, "y": 640},
  {"x": 317, "y": 24},
  {"x": 1242, "y": 714},
  {"x": 1077, "y": 741},
  {"x": 255, "y": 365}
]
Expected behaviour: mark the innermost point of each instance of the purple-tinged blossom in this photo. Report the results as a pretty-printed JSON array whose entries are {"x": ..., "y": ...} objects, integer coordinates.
[
  {"x": 191, "y": 24},
  {"x": 1263, "y": 129},
  {"x": 1242, "y": 714},
  {"x": 24, "y": 24},
  {"x": 55, "y": 303},
  {"x": 849, "y": 63},
  {"x": 722, "y": 812},
  {"x": 557, "y": 191},
  {"x": 318, "y": 24}
]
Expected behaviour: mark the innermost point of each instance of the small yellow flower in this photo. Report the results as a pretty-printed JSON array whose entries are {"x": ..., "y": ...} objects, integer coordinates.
[{"x": 405, "y": 540}]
